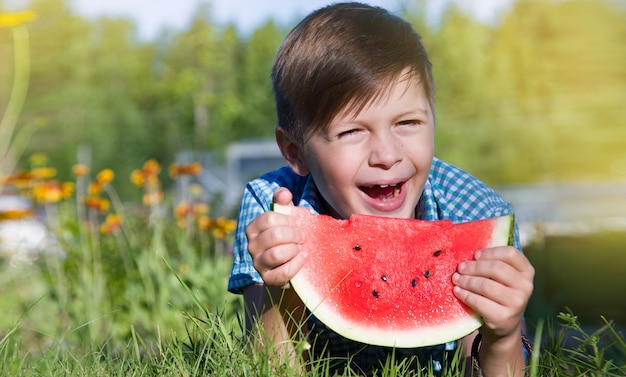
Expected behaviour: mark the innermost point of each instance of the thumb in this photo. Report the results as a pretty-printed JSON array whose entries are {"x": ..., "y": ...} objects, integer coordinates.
[{"x": 283, "y": 196}]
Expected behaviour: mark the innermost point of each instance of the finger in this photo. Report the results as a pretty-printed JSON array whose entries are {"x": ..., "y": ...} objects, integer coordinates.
[
  {"x": 266, "y": 221},
  {"x": 490, "y": 290},
  {"x": 499, "y": 319},
  {"x": 274, "y": 256},
  {"x": 282, "y": 274},
  {"x": 274, "y": 236},
  {"x": 282, "y": 195},
  {"x": 508, "y": 254},
  {"x": 477, "y": 302},
  {"x": 494, "y": 269},
  {"x": 495, "y": 278}
]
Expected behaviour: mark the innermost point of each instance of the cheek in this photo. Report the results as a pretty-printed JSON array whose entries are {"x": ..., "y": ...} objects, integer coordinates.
[{"x": 421, "y": 153}]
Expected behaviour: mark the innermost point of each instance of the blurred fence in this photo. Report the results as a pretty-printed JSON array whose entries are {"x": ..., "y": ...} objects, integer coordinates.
[{"x": 567, "y": 208}]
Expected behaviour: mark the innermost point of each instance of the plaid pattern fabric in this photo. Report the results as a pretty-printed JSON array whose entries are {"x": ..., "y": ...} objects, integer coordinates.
[{"x": 449, "y": 194}]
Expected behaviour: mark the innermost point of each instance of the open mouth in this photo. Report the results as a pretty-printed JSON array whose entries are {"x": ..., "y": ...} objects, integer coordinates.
[{"x": 382, "y": 192}]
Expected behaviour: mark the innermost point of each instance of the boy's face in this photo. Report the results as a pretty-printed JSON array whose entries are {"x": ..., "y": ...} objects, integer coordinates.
[{"x": 377, "y": 161}]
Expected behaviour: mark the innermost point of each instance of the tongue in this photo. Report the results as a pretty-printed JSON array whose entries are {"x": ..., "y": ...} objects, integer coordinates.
[{"x": 378, "y": 192}]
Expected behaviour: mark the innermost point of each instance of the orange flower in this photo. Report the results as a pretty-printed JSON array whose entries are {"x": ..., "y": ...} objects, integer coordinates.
[
  {"x": 94, "y": 188},
  {"x": 151, "y": 167},
  {"x": 225, "y": 225},
  {"x": 52, "y": 191},
  {"x": 20, "y": 179},
  {"x": 16, "y": 214},
  {"x": 147, "y": 175},
  {"x": 151, "y": 198},
  {"x": 220, "y": 227},
  {"x": 205, "y": 223},
  {"x": 177, "y": 170},
  {"x": 111, "y": 223},
  {"x": 80, "y": 170},
  {"x": 184, "y": 210},
  {"x": 102, "y": 179},
  {"x": 97, "y": 203}
]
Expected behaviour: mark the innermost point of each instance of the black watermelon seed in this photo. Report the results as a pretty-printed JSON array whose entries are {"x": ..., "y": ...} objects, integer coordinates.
[
  {"x": 383, "y": 278},
  {"x": 356, "y": 248},
  {"x": 437, "y": 253},
  {"x": 426, "y": 274},
  {"x": 413, "y": 283},
  {"x": 375, "y": 293}
]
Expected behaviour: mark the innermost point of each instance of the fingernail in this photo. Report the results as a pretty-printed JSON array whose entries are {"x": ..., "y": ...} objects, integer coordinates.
[
  {"x": 455, "y": 277},
  {"x": 478, "y": 254}
]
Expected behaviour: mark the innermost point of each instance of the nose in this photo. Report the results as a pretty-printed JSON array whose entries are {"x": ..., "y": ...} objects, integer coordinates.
[{"x": 386, "y": 150}]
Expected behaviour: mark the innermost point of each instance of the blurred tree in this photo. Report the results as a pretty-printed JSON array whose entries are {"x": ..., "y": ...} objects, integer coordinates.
[
  {"x": 528, "y": 98},
  {"x": 256, "y": 116}
]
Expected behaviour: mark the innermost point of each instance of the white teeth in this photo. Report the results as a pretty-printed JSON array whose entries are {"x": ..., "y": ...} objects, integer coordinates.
[{"x": 384, "y": 186}]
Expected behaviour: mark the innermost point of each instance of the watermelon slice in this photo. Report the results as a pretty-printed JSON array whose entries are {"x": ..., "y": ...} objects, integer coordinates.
[{"x": 387, "y": 281}]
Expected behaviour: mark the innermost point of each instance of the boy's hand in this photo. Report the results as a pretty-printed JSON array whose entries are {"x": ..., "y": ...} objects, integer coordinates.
[
  {"x": 273, "y": 244},
  {"x": 497, "y": 285}
]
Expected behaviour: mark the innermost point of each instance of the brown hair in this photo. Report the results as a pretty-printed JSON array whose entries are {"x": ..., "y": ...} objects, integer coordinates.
[{"x": 341, "y": 57}]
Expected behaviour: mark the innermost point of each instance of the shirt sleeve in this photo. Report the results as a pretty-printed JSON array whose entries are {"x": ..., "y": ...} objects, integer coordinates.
[
  {"x": 454, "y": 194},
  {"x": 243, "y": 272}
]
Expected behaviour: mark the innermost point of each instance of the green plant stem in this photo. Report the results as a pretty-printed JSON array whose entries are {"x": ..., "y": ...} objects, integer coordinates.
[{"x": 21, "y": 68}]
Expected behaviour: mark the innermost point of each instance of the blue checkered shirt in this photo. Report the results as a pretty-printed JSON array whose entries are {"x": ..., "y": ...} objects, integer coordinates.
[{"x": 449, "y": 194}]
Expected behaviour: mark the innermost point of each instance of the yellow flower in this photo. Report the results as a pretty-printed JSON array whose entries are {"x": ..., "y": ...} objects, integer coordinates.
[
  {"x": 105, "y": 176},
  {"x": 38, "y": 159},
  {"x": 52, "y": 191},
  {"x": 227, "y": 225},
  {"x": 102, "y": 179},
  {"x": 220, "y": 227},
  {"x": 137, "y": 177},
  {"x": 14, "y": 19},
  {"x": 43, "y": 173}
]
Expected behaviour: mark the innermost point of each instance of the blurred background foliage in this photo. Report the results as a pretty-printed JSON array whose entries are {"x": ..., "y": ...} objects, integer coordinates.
[{"x": 538, "y": 96}]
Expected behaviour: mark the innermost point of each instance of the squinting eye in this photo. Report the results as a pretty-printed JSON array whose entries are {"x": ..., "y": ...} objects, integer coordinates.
[
  {"x": 409, "y": 122},
  {"x": 348, "y": 133}
]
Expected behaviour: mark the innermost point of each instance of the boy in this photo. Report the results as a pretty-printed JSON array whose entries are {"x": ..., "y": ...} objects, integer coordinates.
[{"x": 355, "y": 104}]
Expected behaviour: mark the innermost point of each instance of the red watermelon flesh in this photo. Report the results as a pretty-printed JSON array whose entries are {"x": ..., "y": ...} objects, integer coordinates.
[{"x": 388, "y": 281}]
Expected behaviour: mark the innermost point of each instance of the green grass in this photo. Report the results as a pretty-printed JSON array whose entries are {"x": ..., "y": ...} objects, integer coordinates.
[{"x": 152, "y": 301}]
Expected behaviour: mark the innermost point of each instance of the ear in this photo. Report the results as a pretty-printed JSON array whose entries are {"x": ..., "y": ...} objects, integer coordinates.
[{"x": 291, "y": 151}]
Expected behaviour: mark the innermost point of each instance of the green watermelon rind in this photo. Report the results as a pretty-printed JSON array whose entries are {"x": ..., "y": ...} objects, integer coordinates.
[{"x": 402, "y": 338}]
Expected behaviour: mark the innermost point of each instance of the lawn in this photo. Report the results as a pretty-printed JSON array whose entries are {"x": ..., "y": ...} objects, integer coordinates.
[{"x": 140, "y": 289}]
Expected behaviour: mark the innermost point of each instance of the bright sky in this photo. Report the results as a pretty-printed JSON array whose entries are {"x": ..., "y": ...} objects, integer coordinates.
[{"x": 151, "y": 16}]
